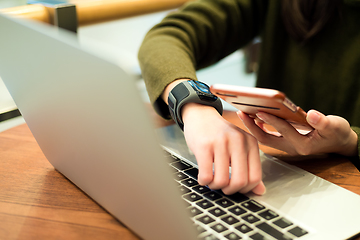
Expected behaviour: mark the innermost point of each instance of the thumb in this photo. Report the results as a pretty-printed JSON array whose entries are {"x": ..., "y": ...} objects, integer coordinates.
[
  {"x": 260, "y": 189},
  {"x": 317, "y": 120}
]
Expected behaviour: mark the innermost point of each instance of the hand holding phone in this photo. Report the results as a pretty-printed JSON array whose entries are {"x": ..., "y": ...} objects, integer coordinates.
[{"x": 251, "y": 100}]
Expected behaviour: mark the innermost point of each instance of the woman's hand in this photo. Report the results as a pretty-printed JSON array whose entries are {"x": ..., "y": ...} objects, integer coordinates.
[
  {"x": 217, "y": 145},
  {"x": 331, "y": 134},
  {"x": 220, "y": 144}
]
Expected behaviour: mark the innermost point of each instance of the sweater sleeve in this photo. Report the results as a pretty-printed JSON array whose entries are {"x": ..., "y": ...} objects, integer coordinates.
[
  {"x": 357, "y": 160},
  {"x": 199, "y": 34}
]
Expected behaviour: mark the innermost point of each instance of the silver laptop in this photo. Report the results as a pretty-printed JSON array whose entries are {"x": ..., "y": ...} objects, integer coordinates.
[{"x": 87, "y": 116}]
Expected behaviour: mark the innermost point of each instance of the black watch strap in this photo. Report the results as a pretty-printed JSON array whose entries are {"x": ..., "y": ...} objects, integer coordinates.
[{"x": 191, "y": 91}]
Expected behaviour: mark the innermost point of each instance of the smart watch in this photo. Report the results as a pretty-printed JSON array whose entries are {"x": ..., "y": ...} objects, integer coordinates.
[{"x": 191, "y": 92}]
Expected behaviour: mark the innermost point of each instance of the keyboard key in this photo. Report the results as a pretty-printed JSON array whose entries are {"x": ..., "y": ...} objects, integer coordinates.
[
  {"x": 244, "y": 228},
  {"x": 181, "y": 165},
  {"x": 201, "y": 189},
  {"x": 272, "y": 231},
  {"x": 210, "y": 237},
  {"x": 237, "y": 197},
  {"x": 205, "y": 219},
  {"x": 232, "y": 236},
  {"x": 253, "y": 206},
  {"x": 212, "y": 195},
  {"x": 219, "y": 228},
  {"x": 268, "y": 215},
  {"x": 250, "y": 218},
  {"x": 283, "y": 223},
  {"x": 189, "y": 182},
  {"x": 184, "y": 190},
  {"x": 237, "y": 210},
  {"x": 298, "y": 232},
  {"x": 224, "y": 203},
  {"x": 179, "y": 176},
  {"x": 192, "y": 197},
  {"x": 257, "y": 236},
  {"x": 193, "y": 172},
  {"x": 230, "y": 220},
  {"x": 174, "y": 170},
  {"x": 217, "y": 212},
  {"x": 199, "y": 229},
  {"x": 171, "y": 158},
  {"x": 187, "y": 204},
  {"x": 195, "y": 211},
  {"x": 205, "y": 204}
]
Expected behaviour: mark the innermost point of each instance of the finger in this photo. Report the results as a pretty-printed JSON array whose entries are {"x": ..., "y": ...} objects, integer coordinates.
[
  {"x": 332, "y": 134},
  {"x": 317, "y": 120},
  {"x": 286, "y": 130},
  {"x": 267, "y": 128},
  {"x": 256, "y": 131},
  {"x": 282, "y": 126},
  {"x": 205, "y": 163},
  {"x": 254, "y": 169},
  {"x": 221, "y": 166},
  {"x": 260, "y": 189},
  {"x": 250, "y": 124},
  {"x": 278, "y": 142},
  {"x": 239, "y": 167}
]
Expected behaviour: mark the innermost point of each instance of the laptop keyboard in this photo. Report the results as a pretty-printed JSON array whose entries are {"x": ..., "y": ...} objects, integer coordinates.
[{"x": 220, "y": 216}]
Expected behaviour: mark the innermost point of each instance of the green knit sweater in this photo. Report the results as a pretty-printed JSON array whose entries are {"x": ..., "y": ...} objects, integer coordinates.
[{"x": 323, "y": 74}]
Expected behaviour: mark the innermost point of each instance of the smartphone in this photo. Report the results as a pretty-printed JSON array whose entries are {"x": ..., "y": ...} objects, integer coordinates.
[{"x": 252, "y": 100}]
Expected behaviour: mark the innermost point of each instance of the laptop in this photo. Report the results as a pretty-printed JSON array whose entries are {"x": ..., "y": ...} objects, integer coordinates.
[{"x": 87, "y": 115}]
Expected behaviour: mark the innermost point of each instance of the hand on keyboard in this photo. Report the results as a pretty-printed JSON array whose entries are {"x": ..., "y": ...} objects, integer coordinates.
[{"x": 217, "y": 145}]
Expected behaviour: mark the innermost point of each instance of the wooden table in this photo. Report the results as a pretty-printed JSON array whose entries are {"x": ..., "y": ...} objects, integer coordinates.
[{"x": 37, "y": 202}]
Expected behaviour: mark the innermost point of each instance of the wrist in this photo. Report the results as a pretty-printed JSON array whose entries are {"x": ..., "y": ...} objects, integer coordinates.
[
  {"x": 170, "y": 87},
  {"x": 191, "y": 92},
  {"x": 195, "y": 111},
  {"x": 351, "y": 146}
]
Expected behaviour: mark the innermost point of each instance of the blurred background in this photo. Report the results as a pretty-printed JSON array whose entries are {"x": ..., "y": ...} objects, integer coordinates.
[{"x": 121, "y": 38}]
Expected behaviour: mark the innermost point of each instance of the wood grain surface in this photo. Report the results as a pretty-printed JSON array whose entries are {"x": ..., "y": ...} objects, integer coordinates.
[{"x": 37, "y": 202}]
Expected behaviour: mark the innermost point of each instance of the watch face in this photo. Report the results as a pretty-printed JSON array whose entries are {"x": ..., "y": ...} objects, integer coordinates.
[
  {"x": 203, "y": 90},
  {"x": 201, "y": 87}
]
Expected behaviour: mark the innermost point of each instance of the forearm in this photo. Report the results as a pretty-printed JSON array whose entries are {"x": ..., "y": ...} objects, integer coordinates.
[
  {"x": 169, "y": 87},
  {"x": 200, "y": 34}
]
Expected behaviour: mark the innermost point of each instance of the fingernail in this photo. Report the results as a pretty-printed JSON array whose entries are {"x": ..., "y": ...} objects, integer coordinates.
[
  {"x": 313, "y": 118},
  {"x": 261, "y": 116},
  {"x": 260, "y": 189},
  {"x": 264, "y": 188},
  {"x": 239, "y": 115}
]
